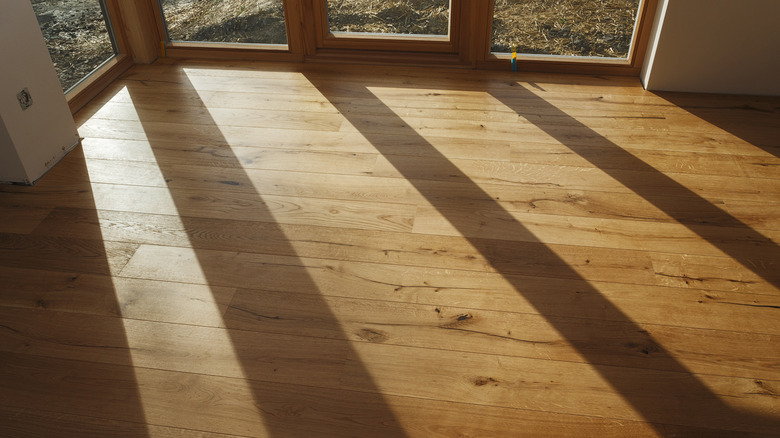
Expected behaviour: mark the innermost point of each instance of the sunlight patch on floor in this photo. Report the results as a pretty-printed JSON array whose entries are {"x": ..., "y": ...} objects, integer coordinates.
[{"x": 165, "y": 288}]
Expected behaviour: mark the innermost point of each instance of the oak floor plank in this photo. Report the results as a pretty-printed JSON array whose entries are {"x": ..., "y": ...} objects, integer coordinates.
[
  {"x": 271, "y": 249},
  {"x": 235, "y": 137},
  {"x": 504, "y": 333},
  {"x": 451, "y": 374},
  {"x": 20, "y": 219},
  {"x": 285, "y": 359},
  {"x": 324, "y": 116},
  {"x": 258, "y": 166},
  {"x": 296, "y": 181},
  {"x": 713, "y": 164},
  {"x": 390, "y": 247},
  {"x": 711, "y": 188},
  {"x": 386, "y": 247},
  {"x": 231, "y": 269},
  {"x": 224, "y": 172},
  {"x": 81, "y": 255},
  {"x": 581, "y": 108},
  {"x": 174, "y": 402},
  {"x": 448, "y": 287},
  {"x": 424, "y": 251},
  {"x": 102, "y": 295},
  {"x": 290, "y": 319},
  {"x": 663, "y": 161},
  {"x": 39, "y": 423},
  {"x": 603, "y": 233},
  {"x": 249, "y": 206}
]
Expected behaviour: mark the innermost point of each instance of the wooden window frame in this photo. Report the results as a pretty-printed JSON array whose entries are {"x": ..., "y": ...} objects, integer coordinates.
[
  {"x": 629, "y": 66},
  {"x": 139, "y": 31},
  {"x": 468, "y": 43},
  {"x": 85, "y": 90}
]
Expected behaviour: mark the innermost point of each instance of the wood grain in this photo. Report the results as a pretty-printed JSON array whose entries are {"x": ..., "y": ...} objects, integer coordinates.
[{"x": 245, "y": 249}]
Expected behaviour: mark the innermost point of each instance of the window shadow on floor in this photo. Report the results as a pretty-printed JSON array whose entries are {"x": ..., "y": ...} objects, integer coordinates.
[
  {"x": 66, "y": 367},
  {"x": 756, "y": 120},
  {"x": 289, "y": 346},
  {"x": 674, "y": 396},
  {"x": 750, "y": 248}
]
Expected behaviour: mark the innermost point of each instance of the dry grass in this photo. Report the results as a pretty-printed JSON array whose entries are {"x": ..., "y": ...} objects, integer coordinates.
[
  {"x": 77, "y": 39},
  {"x": 559, "y": 27},
  {"x": 75, "y": 35},
  {"x": 565, "y": 27},
  {"x": 411, "y": 17},
  {"x": 233, "y": 21}
]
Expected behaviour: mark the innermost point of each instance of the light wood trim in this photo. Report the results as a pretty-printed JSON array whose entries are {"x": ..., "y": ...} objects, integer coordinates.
[
  {"x": 390, "y": 58},
  {"x": 387, "y": 43},
  {"x": 642, "y": 33},
  {"x": 159, "y": 21},
  {"x": 469, "y": 37},
  {"x": 115, "y": 15},
  {"x": 229, "y": 51},
  {"x": 474, "y": 34},
  {"x": 139, "y": 26},
  {"x": 300, "y": 37},
  {"x": 98, "y": 81},
  {"x": 258, "y": 47}
]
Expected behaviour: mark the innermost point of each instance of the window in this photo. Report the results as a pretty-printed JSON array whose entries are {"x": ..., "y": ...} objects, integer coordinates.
[
  {"x": 594, "y": 28},
  {"x": 78, "y": 35},
  {"x": 225, "y": 21},
  {"x": 400, "y": 17}
]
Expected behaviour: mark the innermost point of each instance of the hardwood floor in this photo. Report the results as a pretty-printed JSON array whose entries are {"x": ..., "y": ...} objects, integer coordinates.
[{"x": 282, "y": 250}]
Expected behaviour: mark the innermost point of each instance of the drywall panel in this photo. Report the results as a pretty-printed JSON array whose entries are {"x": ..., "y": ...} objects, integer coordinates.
[
  {"x": 11, "y": 168},
  {"x": 716, "y": 46},
  {"x": 43, "y": 133}
]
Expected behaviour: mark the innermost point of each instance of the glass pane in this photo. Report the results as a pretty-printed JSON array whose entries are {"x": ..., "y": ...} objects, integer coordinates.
[
  {"x": 226, "y": 21},
  {"x": 77, "y": 35},
  {"x": 407, "y": 17},
  {"x": 601, "y": 28}
]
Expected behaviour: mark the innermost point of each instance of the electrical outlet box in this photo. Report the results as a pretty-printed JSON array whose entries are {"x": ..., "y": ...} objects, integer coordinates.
[
  {"x": 24, "y": 98},
  {"x": 34, "y": 138}
]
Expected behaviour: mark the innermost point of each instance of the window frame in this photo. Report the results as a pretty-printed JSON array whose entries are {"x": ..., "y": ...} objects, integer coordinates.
[
  {"x": 86, "y": 89},
  {"x": 141, "y": 37},
  {"x": 631, "y": 65}
]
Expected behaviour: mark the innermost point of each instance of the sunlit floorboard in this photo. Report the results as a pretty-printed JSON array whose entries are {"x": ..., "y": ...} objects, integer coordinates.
[{"x": 278, "y": 250}]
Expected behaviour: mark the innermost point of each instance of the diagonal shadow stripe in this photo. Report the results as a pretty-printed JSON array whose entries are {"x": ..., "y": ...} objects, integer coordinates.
[
  {"x": 294, "y": 380},
  {"x": 51, "y": 384},
  {"x": 752, "y": 249},
  {"x": 756, "y": 121},
  {"x": 678, "y": 398}
]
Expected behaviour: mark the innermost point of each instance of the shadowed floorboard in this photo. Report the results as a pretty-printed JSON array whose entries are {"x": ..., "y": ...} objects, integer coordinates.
[{"x": 277, "y": 250}]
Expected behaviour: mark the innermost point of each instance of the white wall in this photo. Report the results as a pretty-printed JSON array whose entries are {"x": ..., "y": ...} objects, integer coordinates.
[
  {"x": 715, "y": 46},
  {"x": 36, "y": 138},
  {"x": 11, "y": 169}
]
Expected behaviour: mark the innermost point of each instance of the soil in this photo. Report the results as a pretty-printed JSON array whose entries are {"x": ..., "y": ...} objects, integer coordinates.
[
  {"x": 232, "y": 21},
  {"x": 78, "y": 40},
  {"x": 76, "y": 35},
  {"x": 601, "y": 28}
]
